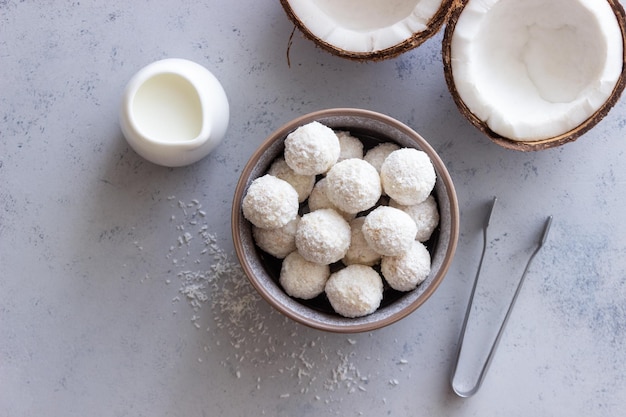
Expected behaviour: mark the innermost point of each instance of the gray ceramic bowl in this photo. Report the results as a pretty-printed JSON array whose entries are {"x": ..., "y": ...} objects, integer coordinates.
[{"x": 263, "y": 270}]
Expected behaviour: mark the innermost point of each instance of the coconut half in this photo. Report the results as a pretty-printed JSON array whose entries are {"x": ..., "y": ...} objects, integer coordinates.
[
  {"x": 535, "y": 74},
  {"x": 368, "y": 29}
]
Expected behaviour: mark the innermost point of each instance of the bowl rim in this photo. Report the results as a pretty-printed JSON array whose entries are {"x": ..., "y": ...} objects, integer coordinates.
[{"x": 281, "y": 133}]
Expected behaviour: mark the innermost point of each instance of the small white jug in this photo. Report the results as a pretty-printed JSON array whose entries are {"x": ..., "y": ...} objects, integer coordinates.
[{"x": 174, "y": 112}]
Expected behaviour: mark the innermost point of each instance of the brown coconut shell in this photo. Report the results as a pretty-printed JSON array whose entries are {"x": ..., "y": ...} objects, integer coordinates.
[
  {"x": 433, "y": 26},
  {"x": 559, "y": 140}
]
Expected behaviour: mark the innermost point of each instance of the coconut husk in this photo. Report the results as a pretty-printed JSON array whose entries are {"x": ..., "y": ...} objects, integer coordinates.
[
  {"x": 433, "y": 26},
  {"x": 562, "y": 139}
]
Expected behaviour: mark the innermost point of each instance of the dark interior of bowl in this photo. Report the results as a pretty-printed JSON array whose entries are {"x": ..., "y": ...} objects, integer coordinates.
[{"x": 264, "y": 270}]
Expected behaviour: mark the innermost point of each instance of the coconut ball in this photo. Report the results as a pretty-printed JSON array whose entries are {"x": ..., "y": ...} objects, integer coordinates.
[
  {"x": 323, "y": 236},
  {"x": 408, "y": 176},
  {"x": 303, "y": 184},
  {"x": 353, "y": 185},
  {"x": 407, "y": 271},
  {"x": 389, "y": 231},
  {"x": 301, "y": 278},
  {"x": 425, "y": 215},
  {"x": 377, "y": 155},
  {"x": 355, "y": 291},
  {"x": 359, "y": 251},
  {"x": 278, "y": 242},
  {"x": 350, "y": 146},
  {"x": 311, "y": 149},
  {"x": 270, "y": 202},
  {"x": 318, "y": 199}
]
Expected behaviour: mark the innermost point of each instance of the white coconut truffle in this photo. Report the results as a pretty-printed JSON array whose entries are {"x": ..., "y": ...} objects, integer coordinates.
[
  {"x": 301, "y": 278},
  {"x": 360, "y": 251},
  {"x": 311, "y": 149},
  {"x": 407, "y": 271},
  {"x": 389, "y": 231},
  {"x": 350, "y": 146},
  {"x": 377, "y": 155},
  {"x": 278, "y": 242},
  {"x": 323, "y": 236},
  {"x": 408, "y": 176},
  {"x": 355, "y": 291},
  {"x": 270, "y": 202},
  {"x": 303, "y": 184},
  {"x": 425, "y": 215},
  {"x": 353, "y": 185},
  {"x": 318, "y": 199}
]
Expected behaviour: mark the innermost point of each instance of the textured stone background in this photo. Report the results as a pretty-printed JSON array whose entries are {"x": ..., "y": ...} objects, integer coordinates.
[{"x": 107, "y": 307}]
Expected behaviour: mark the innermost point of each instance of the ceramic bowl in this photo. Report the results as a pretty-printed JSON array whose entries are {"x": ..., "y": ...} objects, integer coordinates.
[{"x": 263, "y": 270}]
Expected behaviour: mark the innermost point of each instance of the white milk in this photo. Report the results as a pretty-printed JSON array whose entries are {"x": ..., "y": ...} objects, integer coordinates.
[{"x": 167, "y": 108}]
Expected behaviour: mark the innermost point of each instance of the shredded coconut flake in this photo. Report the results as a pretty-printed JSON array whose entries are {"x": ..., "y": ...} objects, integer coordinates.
[{"x": 223, "y": 303}]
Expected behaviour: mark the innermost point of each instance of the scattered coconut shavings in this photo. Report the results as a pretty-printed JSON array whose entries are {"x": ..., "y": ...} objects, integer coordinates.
[{"x": 227, "y": 307}]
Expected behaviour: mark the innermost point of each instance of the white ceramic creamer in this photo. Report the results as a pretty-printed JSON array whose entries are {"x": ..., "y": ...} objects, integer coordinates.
[{"x": 174, "y": 112}]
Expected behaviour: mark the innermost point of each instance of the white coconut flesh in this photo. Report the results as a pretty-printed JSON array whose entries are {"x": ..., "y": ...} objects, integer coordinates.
[
  {"x": 362, "y": 26},
  {"x": 535, "y": 69}
]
